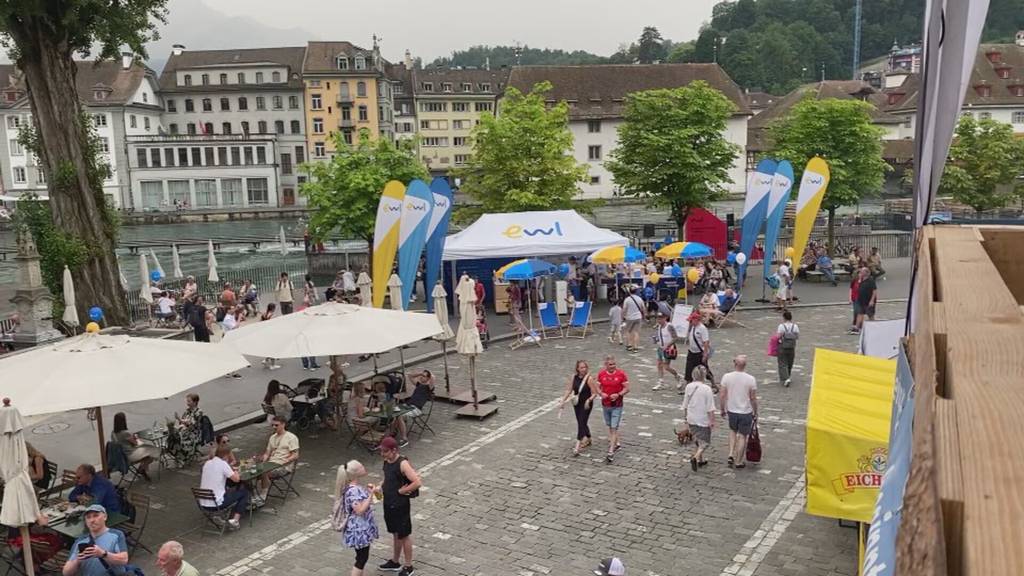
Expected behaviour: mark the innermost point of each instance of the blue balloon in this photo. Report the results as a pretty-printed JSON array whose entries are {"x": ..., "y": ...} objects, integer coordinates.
[
  {"x": 155, "y": 276},
  {"x": 676, "y": 270},
  {"x": 731, "y": 258},
  {"x": 563, "y": 269},
  {"x": 95, "y": 313}
]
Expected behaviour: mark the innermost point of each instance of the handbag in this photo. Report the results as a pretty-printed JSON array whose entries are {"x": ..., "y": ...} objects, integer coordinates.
[
  {"x": 754, "y": 444},
  {"x": 339, "y": 520},
  {"x": 575, "y": 398},
  {"x": 773, "y": 344},
  {"x": 671, "y": 353}
]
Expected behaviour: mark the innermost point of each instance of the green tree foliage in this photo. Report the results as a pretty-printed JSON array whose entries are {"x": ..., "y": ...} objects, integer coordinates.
[
  {"x": 682, "y": 52},
  {"x": 344, "y": 191},
  {"x": 522, "y": 160},
  {"x": 672, "y": 150},
  {"x": 651, "y": 47},
  {"x": 497, "y": 56},
  {"x": 841, "y": 132},
  {"x": 43, "y": 38},
  {"x": 985, "y": 164}
]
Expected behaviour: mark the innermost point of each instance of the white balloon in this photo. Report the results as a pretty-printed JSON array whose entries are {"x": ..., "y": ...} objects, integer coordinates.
[{"x": 741, "y": 258}]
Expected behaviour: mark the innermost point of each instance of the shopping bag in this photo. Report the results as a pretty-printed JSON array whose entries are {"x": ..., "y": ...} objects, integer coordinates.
[
  {"x": 754, "y": 445},
  {"x": 773, "y": 344}
]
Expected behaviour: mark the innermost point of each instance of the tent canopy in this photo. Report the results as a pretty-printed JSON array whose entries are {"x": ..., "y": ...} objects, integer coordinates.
[
  {"x": 848, "y": 419},
  {"x": 525, "y": 234}
]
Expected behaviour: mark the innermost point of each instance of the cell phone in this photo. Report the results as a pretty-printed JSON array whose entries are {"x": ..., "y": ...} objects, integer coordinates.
[{"x": 82, "y": 546}]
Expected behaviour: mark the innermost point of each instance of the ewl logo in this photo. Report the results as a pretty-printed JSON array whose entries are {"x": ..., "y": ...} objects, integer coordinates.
[
  {"x": 393, "y": 207},
  {"x": 516, "y": 231},
  {"x": 816, "y": 179},
  {"x": 416, "y": 206},
  {"x": 766, "y": 181}
]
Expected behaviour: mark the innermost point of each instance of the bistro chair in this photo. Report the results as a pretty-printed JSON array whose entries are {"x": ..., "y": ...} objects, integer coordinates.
[
  {"x": 216, "y": 517},
  {"x": 421, "y": 422},
  {"x": 281, "y": 486},
  {"x": 133, "y": 528}
]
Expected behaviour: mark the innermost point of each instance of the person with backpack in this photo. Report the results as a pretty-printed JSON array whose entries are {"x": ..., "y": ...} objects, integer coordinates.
[
  {"x": 788, "y": 333},
  {"x": 665, "y": 338},
  {"x": 353, "y": 512},
  {"x": 633, "y": 314}
]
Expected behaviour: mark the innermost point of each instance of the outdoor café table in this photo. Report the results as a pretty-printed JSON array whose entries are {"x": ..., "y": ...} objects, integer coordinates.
[
  {"x": 157, "y": 436},
  {"x": 72, "y": 527},
  {"x": 388, "y": 415},
  {"x": 250, "y": 472}
]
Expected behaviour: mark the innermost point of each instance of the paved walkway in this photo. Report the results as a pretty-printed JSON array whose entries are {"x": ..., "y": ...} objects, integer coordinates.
[{"x": 505, "y": 496}]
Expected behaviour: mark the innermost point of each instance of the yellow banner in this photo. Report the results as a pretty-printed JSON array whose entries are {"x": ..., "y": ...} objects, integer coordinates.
[
  {"x": 847, "y": 433},
  {"x": 813, "y": 185},
  {"x": 385, "y": 238}
]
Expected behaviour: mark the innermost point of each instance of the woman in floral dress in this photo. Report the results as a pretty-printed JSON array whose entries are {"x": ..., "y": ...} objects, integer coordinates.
[
  {"x": 360, "y": 528},
  {"x": 186, "y": 434}
]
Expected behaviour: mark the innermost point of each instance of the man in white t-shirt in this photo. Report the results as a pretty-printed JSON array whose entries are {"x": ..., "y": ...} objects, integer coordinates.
[
  {"x": 348, "y": 282},
  {"x": 738, "y": 402},
  {"x": 699, "y": 413},
  {"x": 633, "y": 314},
  {"x": 665, "y": 338},
  {"x": 216, "y": 473},
  {"x": 165, "y": 306},
  {"x": 698, "y": 351}
]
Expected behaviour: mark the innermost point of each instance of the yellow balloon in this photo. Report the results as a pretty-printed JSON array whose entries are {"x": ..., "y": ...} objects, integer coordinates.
[
  {"x": 790, "y": 252},
  {"x": 92, "y": 327},
  {"x": 692, "y": 275},
  {"x": 654, "y": 277}
]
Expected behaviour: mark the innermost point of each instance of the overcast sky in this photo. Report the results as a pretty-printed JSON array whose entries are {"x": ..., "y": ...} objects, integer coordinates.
[{"x": 428, "y": 29}]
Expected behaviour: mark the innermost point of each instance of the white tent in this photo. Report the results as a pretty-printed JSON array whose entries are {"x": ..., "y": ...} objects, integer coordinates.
[
  {"x": 881, "y": 338},
  {"x": 526, "y": 234}
]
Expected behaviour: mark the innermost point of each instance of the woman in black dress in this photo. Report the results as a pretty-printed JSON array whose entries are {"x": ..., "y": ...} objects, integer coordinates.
[{"x": 580, "y": 391}]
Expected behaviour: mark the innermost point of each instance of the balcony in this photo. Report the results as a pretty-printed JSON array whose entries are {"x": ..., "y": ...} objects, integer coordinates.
[
  {"x": 344, "y": 99},
  {"x": 346, "y": 124}
]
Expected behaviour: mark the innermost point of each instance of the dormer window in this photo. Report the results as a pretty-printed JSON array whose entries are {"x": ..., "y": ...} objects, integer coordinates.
[
  {"x": 994, "y": 56},
  {"x": 275, "y": 77},
  {"x": 428, "y": 86},
  {"x": 259, "y": 77},
  {"x": 206, "y": 79},
  {"x": 983, "y": 90},
  {"x": 485, "y": 87},
  {"x": 1017, "y": 90},
  {"x": 342, "y": 62},
  {"x": 99, "y": 95},
  {"x": 360, "y": 63},
  {"x": 223, "y": 78},
  {"x": 467, "y": 87},
  {"x": 446, "y": 86},
  {"x": 188, "y": 79},
  {"x": 1003, "y": 73}
]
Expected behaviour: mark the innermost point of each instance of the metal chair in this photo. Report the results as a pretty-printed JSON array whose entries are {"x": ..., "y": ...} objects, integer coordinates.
[
  {"x": 281, "y": 486},
  {"x": 216, "y": 517},
  {"x": 421, "y": 422},
  {"x": 55, "y": 559},
  {"x": 133, "y": 528},
  {"x": 51, "y": 470},
  {"x": 364, "y": 434}
]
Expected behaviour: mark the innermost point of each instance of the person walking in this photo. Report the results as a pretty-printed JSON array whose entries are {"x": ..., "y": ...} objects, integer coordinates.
[
  {"x": 633, "y": 314},
  {"x": 615, "y": 321},
  {"x": 284, "y": 293},
  {"x": 698, "y": 350},
  {"x": 309, "y": 297},
  {"x": 699, "y": 414},
  {"x": 875, "y": 263},
  {"x": 788, "y": 333},
  {"x": 197, "y": 319},
  {"x": 613, "y": 386},
  {"x": 867, "y": 297},
  {"x": 854, "y": 292},
  {"x": 401, "y": 484},
  {"x": 353, "y": 502},
  {"x": 665, "y": 338},
  {"x": 738, "y": 403},
  {"x": 580, "y": 391}
]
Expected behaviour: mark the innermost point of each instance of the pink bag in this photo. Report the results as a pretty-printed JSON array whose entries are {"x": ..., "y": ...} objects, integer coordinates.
[{"x": 773, "y": 344}]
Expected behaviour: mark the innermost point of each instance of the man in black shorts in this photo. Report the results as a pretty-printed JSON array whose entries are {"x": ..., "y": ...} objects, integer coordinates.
[
  {"x": 867, "y": 297},
  {"x": 401, "y": 484}
]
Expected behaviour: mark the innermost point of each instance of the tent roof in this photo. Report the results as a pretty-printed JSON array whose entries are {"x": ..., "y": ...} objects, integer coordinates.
[{"x": 525, "y": 234}]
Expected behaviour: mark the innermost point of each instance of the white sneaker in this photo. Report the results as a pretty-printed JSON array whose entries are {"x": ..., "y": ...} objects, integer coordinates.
[
  {"x": 786, "y": 383},
  {"x": 657, "y": 386},
  {"x": 275, "y": 366},
  {"x": 234, "y": 524}
]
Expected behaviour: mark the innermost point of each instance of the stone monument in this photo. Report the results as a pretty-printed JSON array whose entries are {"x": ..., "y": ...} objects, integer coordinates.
[{"x": 32, "y": 299}]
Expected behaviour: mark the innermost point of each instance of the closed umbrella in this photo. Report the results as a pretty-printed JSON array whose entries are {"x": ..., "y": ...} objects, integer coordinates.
[
  {"x": 467, "y": 341},
  {"x": 365, "y": 285},
  {"x": 156, "y": 263},
  {"x": 440, "y": 296},
  {"x": 70, "y": 312},
  {"x": 145, "y": 293},
  {"x": 176, "y": 261},
  {"x": 395, "y": 292},
  {"x": 211, "y": 263},
  {"x": 284, "y": 243},
  {"x": 120, "y": 273},
  {"x": 19, "y": 505}
]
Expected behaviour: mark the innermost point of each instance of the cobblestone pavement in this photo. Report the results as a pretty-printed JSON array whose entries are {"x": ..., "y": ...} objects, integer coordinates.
[{"x": 506, "y": 497}]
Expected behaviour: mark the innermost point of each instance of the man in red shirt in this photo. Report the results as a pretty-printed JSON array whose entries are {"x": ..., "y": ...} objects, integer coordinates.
[{"x": 614, "y": 385}]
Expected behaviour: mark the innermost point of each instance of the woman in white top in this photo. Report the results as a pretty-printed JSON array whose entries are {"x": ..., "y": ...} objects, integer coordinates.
[
  {"x": 708, "y": 308},
  {"x": 782, "y": 292},
  {"x": 699, "y": 412}
]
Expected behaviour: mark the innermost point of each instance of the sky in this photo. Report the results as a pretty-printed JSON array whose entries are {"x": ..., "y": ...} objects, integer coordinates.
[{"x": 427, "y": 29}]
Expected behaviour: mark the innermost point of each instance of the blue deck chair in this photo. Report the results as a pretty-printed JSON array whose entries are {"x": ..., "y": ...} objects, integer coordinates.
[
  {"x": 579, "y": 321},
  {"x": 550, "y": 325}
]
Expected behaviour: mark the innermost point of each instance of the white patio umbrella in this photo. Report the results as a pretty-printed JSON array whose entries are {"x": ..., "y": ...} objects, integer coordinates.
[
  {"x": 156, "y": 263},
  {"x": 19, "y": 505},
  {"x": 440, "y": 296},
  {"x": 284, "y": 243},
  {"x": 467, "y": 341},
  {"x": 145, "y": 293},
  {"x": 120, "y": 273},
  {"x": 96, "y": 370},
  {"x": 176, "y": 261},
  {"x": 365, "y": 285},
  {"x": 211, "y": 263},
  {"x": 332, "y": 329},
  {"x": 70, "y": 316},
  {"x": 395, "y": 292}
]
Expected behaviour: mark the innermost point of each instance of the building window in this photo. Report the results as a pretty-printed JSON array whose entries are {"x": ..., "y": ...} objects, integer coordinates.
[
  {"x": 172, "y": 106},
  {"x": 16, "y": 149},
  {"x": 190, "y": 106},
  {"x": 347, "y": 137},
  {"x": 225, "y": 128},
  {"x": 460, "y": 106},
  {"x": 225, "y": 104},
  {"x": 141, "y": 159},
  {"x": 593, "y": 126},
  {"x": 132, "y": 122},
  {"x": 1017, "y": 90},
  {"x": 243, "y": 103},
  {"x": 188, "y": 79},
  {"x": 286, "y": 163},
  {"x": 178, "y": 192},
  {"x": 208, "y": 156},
  {"x": 236, "y": 156},
  {"x": 316, "y": 102},
  {"x": 446, "y": 87},
  {"x": 279, "y": 126},
  {"x": 206, "y": 79},
  {"x": 593, "y": 152},
  {"x": 319, "y": 150},
  {"x": 360, "y": 63},
  {"x": 182, "y": 156},
  {"x": 300, "y": 154},
  {"x": 98, "y": 120},
  {"x": 433, "y": 106},
  {"x": 20, "y": 175},
  {"x": 361, "y": 89},
  {"x": 433, "y": 141},
  {"x": 461, "y": 159},
  {"x": 346, "y": 113},
  {"x": 197, "y": 156},
  {"x": 460, "y": 125},
  {"x": 1003, "y": 73},
  {"x": 467, "y": 87},
  {"x": 296, "y": 127},
  {"x": 966, "y": 115},
  {"x": 206, "y": 193},
  {"x": 483, "y": 106},
  {"x": 173, "y": 128},
  {"x": 985, "y": 116},
  {"x": 460, "y": 141},
  {"x": 595, "y": 180},
  {"x": 231, "y": 191},
  {"x": 293, "y": 102},
  {"x": 223, "y": 78},
  {"x": 261, "y": 155},
  {"x": 485, "y": 87},
  {"x": 318, "y": 125},
  {"x": 257, "y": 190},
  {"x": 208, "y": 129},
  {"x": 190, "y": 128},
  {"x": 207, "y": 105},
  {"x": 428, "y": 86},
  {"x": 314, "y": 83},
  {"x": 154, "y": 157},
  {"x": 259, "y": 77},
  {"x": 261, "y": 127},
  {"x": 363, "y": 114},
  {"x": 145, "y": 123},
  {"x": 342, "y": 63},
  {"x": 261, "y": 103},
  {"x": 41, "y": 176},
  {"x": 278, "y": 103},
  {"x": 245, "y": 126},
  {"x": 1018, "y": 117},
  {"x": 152, "y": 194},
  {"x": 275, "y": 77},
  {"x": 241, "y": 77},
  {"x": 222, "y": 156},
  {"x": 908, "y": 121}
]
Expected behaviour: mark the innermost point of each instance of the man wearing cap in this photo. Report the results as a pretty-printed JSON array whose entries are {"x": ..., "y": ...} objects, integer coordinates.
[
  {"x": 102, "y": 548},
  {"x": 401, "y": 484},
  {"x": 633, "y": 314},
  {"x": 610, "y": 567},
  {"x": 93, "y": 488}
]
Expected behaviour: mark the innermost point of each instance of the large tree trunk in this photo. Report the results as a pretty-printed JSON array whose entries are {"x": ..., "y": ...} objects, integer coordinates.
[{"x": 78, "y": 210}]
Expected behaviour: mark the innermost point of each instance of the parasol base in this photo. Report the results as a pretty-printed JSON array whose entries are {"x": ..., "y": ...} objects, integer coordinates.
[
  {"x": 479, "y": 412},
  {"x": 453, "y": 396},
  {"x": 466, "y": 397}
]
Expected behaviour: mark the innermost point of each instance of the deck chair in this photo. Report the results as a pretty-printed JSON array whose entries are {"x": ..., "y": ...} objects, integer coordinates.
[
  {"x": 216, "y": 517},
  {"x": 550, "y": 325},
  {"x": 728, "y": 315},
  {"x": 579, "y": 320},
  {"x": 521, "y": 332}
]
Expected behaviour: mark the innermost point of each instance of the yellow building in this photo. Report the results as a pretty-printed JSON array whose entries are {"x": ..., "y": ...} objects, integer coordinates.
[{"x": 345, "y": 91}]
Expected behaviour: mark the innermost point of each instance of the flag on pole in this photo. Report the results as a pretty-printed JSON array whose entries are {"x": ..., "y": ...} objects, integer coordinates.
[
  {"x": 813, "y": 185},
  {"x": 412, "y": 235},
  {"x": 385, "y": 238},
  {"x": 782, "y": 185},
  {"x": 755, "y": 208},
  {"x": 436, "y": 234}
]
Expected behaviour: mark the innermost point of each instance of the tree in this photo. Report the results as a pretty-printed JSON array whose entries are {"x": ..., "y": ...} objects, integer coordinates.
[
  {"x": 985, "y": 163},
  {"x": 43, "y": 38},
  {"x": 672, "y": 148},
  {"x": 343, "y": 192},
  {"x": 682, "y": 52},
  {"x": 841, "y": 132},
  {"x": 522, "y": 160},
  {"x": 651, "y": 47}
]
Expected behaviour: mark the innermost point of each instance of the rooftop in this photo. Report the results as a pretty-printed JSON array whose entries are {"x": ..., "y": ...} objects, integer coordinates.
[{"x": 290, "y": 57}]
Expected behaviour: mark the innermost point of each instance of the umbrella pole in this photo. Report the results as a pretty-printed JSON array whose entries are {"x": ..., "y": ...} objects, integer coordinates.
[
  {"x": 401, "y": 359},
  {"x": 472, "y": 379},
  {"x": 101, "y": 436},
  {"x": 374, "y": 364},
  {"x": 26, "y": 549},
  {"x": 444, "y": 354}
]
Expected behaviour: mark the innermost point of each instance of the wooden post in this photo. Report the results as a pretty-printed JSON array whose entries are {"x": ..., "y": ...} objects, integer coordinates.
[{"x": 26, "y": 549}]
